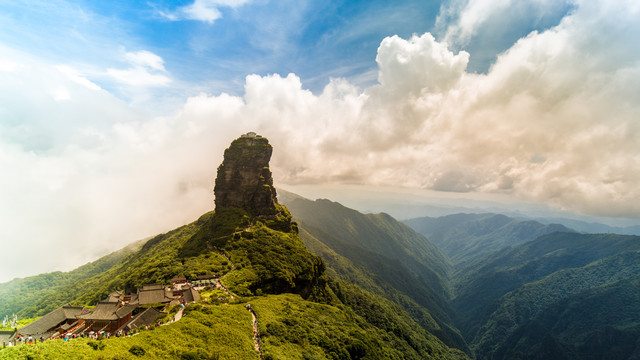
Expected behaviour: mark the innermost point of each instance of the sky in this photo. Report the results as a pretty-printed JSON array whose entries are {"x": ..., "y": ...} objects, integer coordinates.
[{"x": 114, "y": 115}]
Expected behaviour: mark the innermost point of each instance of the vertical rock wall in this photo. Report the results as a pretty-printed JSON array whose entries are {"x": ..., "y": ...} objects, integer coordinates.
[{"x": 244, "y": 179}]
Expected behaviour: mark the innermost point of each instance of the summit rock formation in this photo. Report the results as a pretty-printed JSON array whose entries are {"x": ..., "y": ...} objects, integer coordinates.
[{"x": 244, "y": 179}]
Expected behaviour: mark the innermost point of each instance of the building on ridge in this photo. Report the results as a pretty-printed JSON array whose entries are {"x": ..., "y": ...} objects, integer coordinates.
[
  {"x": 154, "y": 294},
  {"x": 57, "y": 322},
  {"x": 146, "y": 318},
  {"x": 108, "y": 316}
]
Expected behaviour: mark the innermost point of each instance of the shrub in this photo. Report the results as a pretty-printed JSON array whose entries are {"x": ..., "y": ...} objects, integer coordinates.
[
  {"x": 96, "y": 345},
  {"x": 137, "y": 350},
  {"x": 190, "y": 356}
]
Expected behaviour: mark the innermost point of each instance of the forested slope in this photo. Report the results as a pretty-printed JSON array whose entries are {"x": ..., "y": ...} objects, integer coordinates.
[{"x": 508, "y": 292}]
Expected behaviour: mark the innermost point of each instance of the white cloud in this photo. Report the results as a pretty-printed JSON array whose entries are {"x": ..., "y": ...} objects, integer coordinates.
[
  {"x": 145, "y": 58},
  {"x": 9, "y": 66},
  {"x": 60, "y": 93},
  {"x": 207, "y": 11},
  {"x": 147, "y": 69},
  {"x": 461, "y": 20},
  {"x": 77, "y": 77},
  {"x": 419, "y": 65},
  {"x": 552, "y": 121},
  {"x": 138, "y": 76},
  {"x": 470, "y": 16}
]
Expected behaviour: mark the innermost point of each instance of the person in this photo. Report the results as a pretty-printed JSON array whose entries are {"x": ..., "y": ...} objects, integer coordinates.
[
  {"x": 41, "y": 338},
  {"x": 10, "y": 344}
]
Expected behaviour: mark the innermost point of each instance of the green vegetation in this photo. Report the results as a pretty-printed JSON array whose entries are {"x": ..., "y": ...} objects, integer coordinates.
[
  {"x": 598, "y": 323},
  {"x": 364, "y": 327},
  {"x": 533, "y": 298},
  {"x": 278, "y": 262},
  {"x": 292, "y": 328},
  {"x": 500, "y": 296},
  {"x": 269, "y": 261}
]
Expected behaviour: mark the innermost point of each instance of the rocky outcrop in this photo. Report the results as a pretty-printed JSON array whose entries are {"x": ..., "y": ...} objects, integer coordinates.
[{"x": 244, "y": 179}]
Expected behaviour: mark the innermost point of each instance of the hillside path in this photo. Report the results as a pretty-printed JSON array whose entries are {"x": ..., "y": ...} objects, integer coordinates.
[
  {"x": 218, "y": 282},
  {"x": 256, "y": 334},
  {"x": 178, "y": 315}
]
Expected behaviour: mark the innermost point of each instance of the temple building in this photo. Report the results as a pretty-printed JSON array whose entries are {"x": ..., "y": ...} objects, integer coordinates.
[{"x": 107, "y": 316}]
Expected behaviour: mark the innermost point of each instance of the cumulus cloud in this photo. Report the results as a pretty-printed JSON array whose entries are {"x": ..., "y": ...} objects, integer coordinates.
[{"x": 554, "y": 120}]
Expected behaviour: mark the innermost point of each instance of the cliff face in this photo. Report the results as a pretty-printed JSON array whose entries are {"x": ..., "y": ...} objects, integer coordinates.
[{"x": 244, "y": 179}]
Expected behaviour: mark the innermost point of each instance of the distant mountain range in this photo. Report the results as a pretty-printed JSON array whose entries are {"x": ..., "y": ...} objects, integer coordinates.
[
  {"x": 591, "y": 227},
  {"x": 465, "y": 238}
]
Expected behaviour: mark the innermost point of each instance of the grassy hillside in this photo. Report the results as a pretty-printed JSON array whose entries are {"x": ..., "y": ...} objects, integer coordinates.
[
  {"x": 379, "y": 233},
  {"x": 466, "y": 238},
  {"x": 362, "y": 327},
  {"x": 290, "y": 328}
]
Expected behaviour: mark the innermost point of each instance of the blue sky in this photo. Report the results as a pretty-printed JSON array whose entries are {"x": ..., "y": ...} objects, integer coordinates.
[
  {"x": 316, "y": 40},
  {"x": 114, "y": 115}
]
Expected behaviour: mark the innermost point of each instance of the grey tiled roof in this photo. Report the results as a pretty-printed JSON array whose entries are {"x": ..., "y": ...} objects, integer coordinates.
[
  {"x": 147, "y": 317},
  {"x": 151, "y": 294},
  {"x": 108, "y": 311},
  {"x": 190, "y": 295},
  {"x": 152, "y": 286},
  {"x": 6, "y": 336},
  {"x": 114, "y": 296},
  {"x": 51, "y": 320}
]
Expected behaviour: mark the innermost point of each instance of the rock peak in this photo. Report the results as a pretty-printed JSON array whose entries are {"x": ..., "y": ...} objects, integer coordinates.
[{"x": 244, "y": 179}]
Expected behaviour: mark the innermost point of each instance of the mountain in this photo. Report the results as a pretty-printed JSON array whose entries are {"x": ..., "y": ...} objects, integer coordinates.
[
  {"x": 591, "y": 227},
  {"x": 541, "y": 298},
  {"x": 383, "y": 256},
  {"x": 253, "y": 246},
  {"x": 597, "y": 323},
  {"x": 466, "y": 238},
  {"x": 498, "y": 297}
]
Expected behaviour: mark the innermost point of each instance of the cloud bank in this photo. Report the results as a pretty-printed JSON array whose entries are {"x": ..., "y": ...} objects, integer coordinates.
[{"x": 555, "y": 120}]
